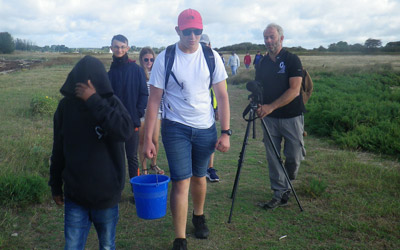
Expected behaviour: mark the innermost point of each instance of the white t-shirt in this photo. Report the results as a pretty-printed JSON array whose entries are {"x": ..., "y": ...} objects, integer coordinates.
[{"x": 189, "y": 102}]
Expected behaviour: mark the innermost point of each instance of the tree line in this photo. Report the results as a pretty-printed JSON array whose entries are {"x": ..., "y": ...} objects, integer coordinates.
[
  {"x": 8, "y": 44},
  {"x": 370, "y": 45}
]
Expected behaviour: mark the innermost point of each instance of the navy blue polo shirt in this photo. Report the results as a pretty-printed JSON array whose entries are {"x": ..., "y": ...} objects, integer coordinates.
[{"x": 274, "y": 78}]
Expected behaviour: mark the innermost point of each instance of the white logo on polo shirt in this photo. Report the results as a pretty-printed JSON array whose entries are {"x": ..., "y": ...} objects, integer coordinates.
[{"x": 282, "y": 68}]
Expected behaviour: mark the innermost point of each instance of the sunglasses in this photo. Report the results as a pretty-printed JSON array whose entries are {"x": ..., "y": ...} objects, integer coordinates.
[
  {"x": 147, "y": 59},
  {"x": 188, "y": 32}
]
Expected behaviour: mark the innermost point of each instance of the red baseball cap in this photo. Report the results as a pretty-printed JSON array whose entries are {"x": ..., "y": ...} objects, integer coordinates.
[{"x": 190, "y": 19}]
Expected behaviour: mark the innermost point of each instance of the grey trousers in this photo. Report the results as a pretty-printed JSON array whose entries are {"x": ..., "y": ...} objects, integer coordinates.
[{"x": 291, "y": 131}]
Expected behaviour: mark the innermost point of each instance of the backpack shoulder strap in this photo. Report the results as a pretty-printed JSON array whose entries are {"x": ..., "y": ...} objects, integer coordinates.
[
  {"x": 210, "y": 59},
  {"x": 169, "y": 61}
]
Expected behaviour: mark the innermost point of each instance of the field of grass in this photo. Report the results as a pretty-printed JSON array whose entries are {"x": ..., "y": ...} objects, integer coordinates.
[{"x": 350, "y": 198}]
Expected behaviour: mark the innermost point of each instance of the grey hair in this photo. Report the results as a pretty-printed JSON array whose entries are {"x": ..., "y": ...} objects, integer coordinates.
[{"x": 275, "y": 26}]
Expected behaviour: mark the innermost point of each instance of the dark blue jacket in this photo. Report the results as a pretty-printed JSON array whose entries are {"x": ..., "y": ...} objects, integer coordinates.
[{"x": 128, "y": 81}]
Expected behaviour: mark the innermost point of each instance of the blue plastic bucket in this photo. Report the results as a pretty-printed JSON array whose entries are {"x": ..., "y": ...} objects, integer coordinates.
[{"x": 151, "y": 192}]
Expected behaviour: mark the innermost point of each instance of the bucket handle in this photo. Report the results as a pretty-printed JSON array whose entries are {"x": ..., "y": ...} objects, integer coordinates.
[{"x": 143, "y": 162}]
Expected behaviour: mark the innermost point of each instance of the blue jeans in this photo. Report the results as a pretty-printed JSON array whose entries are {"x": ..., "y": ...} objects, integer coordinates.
[
  {"x": 77, "y": 224},
  {"x": 234, "y": 70},
  {"x": 188, "y": 149}
]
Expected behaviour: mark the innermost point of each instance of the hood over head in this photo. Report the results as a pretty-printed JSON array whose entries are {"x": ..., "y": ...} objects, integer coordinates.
[{"x": 88, "y": 68}]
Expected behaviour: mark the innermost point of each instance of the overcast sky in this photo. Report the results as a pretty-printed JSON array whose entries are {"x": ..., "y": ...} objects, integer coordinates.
[{"x": 92, "y": 23}]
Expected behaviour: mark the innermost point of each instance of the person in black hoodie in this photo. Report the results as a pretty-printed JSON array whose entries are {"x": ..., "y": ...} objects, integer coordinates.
[
  {"x": 128, "y": 81},
  {"x": 87, "y": 168}
]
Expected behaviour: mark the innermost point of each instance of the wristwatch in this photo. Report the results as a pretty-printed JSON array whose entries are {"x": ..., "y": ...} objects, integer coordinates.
[{"x": 228, "y": 132}]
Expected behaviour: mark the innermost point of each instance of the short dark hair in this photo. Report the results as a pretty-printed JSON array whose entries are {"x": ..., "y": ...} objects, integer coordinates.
[{"x": 120, "y": 38}]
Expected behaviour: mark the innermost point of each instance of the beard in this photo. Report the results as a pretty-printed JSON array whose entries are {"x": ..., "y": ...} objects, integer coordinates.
[{"x": 273, "y": 47}]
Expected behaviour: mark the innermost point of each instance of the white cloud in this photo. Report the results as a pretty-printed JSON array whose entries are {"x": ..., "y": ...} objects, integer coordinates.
[{"x": 92, "y": 23}]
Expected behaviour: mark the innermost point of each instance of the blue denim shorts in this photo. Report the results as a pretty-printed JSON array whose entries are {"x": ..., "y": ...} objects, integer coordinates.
[{"x": 188, "y": 149}]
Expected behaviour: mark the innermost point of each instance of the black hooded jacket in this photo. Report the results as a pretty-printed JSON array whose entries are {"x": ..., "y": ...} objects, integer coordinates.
[{"x": 88, "y": 155}]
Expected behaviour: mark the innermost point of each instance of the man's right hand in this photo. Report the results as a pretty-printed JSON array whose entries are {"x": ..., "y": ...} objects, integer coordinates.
[
  {"x": 58, "y": 199},
  {"x": 149, "y": 150},
  {"x": 264, "y": 110}
]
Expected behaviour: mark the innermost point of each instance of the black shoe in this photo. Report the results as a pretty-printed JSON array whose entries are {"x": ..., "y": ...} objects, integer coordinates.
[
  {"x": 274, "y": 203},
  {"x": 200, "y": 228},
  {"x": 180, "y": 244},
  {"x": 285, "y": 197}
]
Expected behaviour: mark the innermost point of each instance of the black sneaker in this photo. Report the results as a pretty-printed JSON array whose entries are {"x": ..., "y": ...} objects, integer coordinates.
[
  {"x": 180, "y": 244},
  {"x": 211, "y": 175},
  {"x": 200, "y": 228},
  {"x": 285, "y": 197},
  {"x": 274, "y": 203}
]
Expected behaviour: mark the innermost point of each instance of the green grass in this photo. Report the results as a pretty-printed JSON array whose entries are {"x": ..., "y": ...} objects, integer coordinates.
[{"x": 357, "y": 205}]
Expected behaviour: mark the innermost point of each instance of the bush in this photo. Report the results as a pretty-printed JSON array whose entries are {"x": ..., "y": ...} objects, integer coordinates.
[
  {"x": 359, "y": 111},
  {"x": 22, "y": 190},
  {"x": 43, "y": 105},
  {"x": 316, "y": 188}
]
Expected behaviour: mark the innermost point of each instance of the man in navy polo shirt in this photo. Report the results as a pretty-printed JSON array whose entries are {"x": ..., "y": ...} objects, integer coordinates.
[{"x": 280, "y": 73}]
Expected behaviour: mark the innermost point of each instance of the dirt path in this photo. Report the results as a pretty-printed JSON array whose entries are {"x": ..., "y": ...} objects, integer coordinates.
[{"x": 7, "y": 66}]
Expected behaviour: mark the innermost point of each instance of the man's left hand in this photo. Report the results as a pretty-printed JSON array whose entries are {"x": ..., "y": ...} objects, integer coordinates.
[{"x": 223, "y": 143}]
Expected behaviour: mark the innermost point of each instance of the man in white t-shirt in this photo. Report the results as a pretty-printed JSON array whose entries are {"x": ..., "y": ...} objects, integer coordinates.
[{"x": 188, "y": 127}]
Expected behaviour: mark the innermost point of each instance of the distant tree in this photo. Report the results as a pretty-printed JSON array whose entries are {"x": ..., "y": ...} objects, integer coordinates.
[
  {"x": 296, "y": 49},
  {"x": 372, "y": 43},
  {"x": 105, "y": 49},
  {"x": 342, "y": 46},
  {"x": 392, "y": 47},
  {"x": 356, "y": 47},
  {"x": 46, "y": 48},
  {"x": 322, "y": 48},
  {"x": 60, "y": 48},
  {"x": 243, "y": 47},
  {"x": 332, "y": 47},
  {"x": 7, "y": 45},
  {"x": 339, "y": 47},
  {"x": 25, "y": 45}
]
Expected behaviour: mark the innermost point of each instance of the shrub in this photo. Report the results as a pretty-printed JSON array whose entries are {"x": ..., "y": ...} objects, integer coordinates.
[
  {"x": 359, "y": 111},
  {"x": 22, "y": 190},
  {"x": 43, "y": 105},
  {"x": 316, "y": 188}
]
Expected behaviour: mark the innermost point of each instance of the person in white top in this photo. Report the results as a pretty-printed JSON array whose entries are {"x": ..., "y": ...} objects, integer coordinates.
[
  {"x": 188, "y": 127},
  {"x": 234, "y": 63}
]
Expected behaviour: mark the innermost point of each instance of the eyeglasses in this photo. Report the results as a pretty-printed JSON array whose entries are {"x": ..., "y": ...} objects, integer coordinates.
[
  {"x": 117, "y": 47},
  {"x": 188, "y": 32},
  {"x": 147, "y": 59}
]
